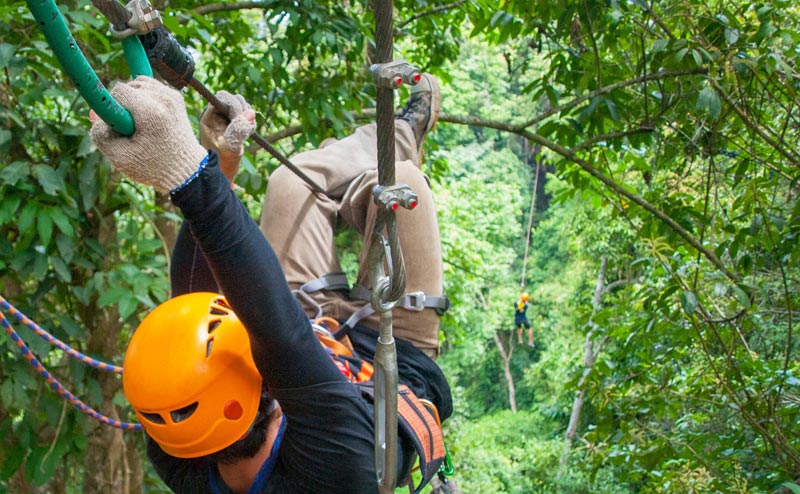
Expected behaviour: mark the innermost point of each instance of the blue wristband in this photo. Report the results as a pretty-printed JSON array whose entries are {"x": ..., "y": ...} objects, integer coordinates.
[{"x": 194, "y": 175}]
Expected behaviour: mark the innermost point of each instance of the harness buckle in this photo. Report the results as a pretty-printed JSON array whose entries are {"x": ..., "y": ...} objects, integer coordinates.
[{"x": 415, "y": 301}]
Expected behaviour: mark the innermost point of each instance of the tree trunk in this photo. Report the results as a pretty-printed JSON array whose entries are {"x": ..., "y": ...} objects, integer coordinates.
[
  {"x": 590, "y": 351},
  {"x": 105, "y": 455},
  {"x": 133, "y": 464},
  {"x": 166, "y": 229},
  {"x": 506, "y": 356}
]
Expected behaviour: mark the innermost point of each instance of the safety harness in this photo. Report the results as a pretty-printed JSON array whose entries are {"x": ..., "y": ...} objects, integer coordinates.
[
  {"x": 418, "y": 419},
  {"x": 413, "y": 301}
]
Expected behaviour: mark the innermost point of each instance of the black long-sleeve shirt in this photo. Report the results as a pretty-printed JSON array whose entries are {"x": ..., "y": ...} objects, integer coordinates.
[{"x": 327, "y": 446}]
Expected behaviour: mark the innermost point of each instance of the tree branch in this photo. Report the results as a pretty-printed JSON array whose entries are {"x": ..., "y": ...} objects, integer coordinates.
[
  {"x": 607, "y": 89},
  {"x": 571, "y": 156},
  {"x": 612, "y": 136},
  {"x": 428, "y": 12},
  {"x": 754, "y": 126},
  {"x": 610, "y": 183},
  {"x": 211, "y": 8},
  {"x": 615, "y": 284},
  {"x": 506, "y": 356}
]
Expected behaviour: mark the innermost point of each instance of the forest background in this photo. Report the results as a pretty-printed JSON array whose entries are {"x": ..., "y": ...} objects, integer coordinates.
[{"x": 648, "y": 146}]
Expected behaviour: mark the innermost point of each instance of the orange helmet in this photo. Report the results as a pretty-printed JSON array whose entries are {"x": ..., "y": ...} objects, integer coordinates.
[
  {"x": 525, "y": 296},
  {"x": 190, "y": 376}
]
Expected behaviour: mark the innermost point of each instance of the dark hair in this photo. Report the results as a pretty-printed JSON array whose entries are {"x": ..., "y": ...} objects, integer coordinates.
[{"x": 251, "y": 443}]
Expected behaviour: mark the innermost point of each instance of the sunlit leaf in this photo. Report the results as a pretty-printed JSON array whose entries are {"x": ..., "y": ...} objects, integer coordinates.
[{"x": 689, "y": 302}]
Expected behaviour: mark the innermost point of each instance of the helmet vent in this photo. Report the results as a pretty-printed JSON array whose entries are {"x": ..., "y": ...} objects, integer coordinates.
[
  {"x": 217, "y": 312},
  {"x": 213, "y": 325},
  {"x": 209, "y": 346},
  {"x": 222, "y": 303},
  {"x": 183, "y": 413},
  {"x": 154, "y": 418}
]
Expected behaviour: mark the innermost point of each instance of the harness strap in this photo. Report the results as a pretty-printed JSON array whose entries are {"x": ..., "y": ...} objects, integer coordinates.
[
  {"x": 330, "y": 281},
  {"x": 358, "y": 315},
  {"x": 418, "y": 421},
  {"x": 413, "y": 301}
]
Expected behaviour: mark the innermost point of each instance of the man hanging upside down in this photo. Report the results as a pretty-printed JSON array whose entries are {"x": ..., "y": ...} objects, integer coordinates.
[{"x": 233, "y": 389}]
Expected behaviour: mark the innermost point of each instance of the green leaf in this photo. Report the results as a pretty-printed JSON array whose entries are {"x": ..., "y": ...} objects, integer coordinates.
[
  {"x": 87, "y": 183},
  {"x": 44, "y": 226},
  {"x": 7, "y": 393},
  {"x": 61, "y": 220},
  {"x": 8, "y": 209},
  {"x": 80, "y": 441},
  {"x": 13, "y": 173},
  {"x": 85, "y": 147},
  {"x": 127, "y": 306},
  {"x": 41, "y": 464},
  {"x": 764, "y": 12},
  {"x": 755, "y": 224},
  {"x": 765, "y": 31},
  {"x": 792, "y": 487},
  {"x": 708, "y": 101},
  {"x": 94, "y": 391},
  {"x": 731, "y": 36},
  {"x": 660, "y": 45},
  {"x": 689, "y": 302},
  {"x": 6, "y": 54},
  {"x": 112, "y": 296},
  {"x": 742, "y": 296},
  {"x": 66, "y": 248},
  {"x": 698, "y": 58},
  {"x": 61, "y": 269},
  {"x": 40, "y": 266},
  {"x": 69, "y": 325},
  {"x": 5, "y": 140},
  {"x": 49, "y": 179},
  {"x": 13, "y": 460},
  {"x": 27, "y": 216}
]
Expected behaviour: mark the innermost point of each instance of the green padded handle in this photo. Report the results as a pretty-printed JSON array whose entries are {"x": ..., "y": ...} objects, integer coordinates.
[{"x": 69, "y": 55}]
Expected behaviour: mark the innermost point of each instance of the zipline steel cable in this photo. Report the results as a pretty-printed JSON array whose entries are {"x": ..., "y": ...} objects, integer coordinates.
[
  {"x": 530, "y": 224},
  {"x": 386, "y": 372}
]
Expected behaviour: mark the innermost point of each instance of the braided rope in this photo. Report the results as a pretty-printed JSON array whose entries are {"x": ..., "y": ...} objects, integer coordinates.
[
  {"x": 98, "y": 364},
  {"x": 54, "y": 384}
]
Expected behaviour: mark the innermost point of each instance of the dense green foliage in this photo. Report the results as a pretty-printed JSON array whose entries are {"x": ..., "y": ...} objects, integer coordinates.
[{"x": 663, "y": 261}]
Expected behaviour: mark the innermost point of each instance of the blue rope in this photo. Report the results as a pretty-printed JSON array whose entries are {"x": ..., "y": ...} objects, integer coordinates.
[
  {"x": 54, "y": 384},
  {"x": 98, "y": 364}
]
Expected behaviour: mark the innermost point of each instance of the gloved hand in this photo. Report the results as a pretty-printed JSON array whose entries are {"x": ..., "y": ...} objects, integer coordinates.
[
  {"x": 163, "y": 151},
  {"x": 225, "y": 132}
]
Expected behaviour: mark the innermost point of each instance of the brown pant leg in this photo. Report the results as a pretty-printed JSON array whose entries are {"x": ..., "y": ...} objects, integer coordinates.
[
  {"x": 299, "y": 225},
  {"x": 420, "y": 244}
]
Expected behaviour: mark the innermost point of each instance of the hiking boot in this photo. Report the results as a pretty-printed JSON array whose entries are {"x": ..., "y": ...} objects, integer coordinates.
[{"x": 422, "y": 108}]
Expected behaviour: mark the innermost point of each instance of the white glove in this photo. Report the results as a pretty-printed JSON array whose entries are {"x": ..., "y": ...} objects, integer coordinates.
[
  {"x": 163, "y": 151},
  {"x": 225, "y": 132}
]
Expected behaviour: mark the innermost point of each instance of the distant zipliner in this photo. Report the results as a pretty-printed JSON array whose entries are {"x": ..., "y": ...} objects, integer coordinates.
[
  {"x": 521, "y": 305},
  {"x": 521, "y": 321}
]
